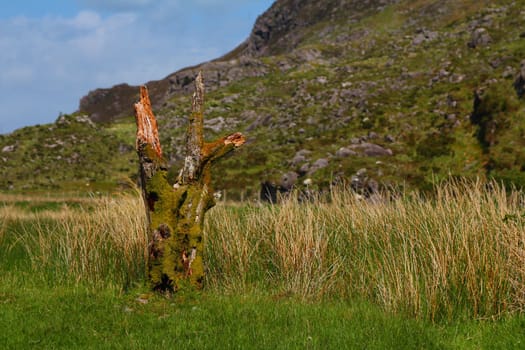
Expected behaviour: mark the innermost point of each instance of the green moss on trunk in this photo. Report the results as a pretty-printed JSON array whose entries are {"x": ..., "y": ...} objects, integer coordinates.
[{"x": 176, "y": 212}]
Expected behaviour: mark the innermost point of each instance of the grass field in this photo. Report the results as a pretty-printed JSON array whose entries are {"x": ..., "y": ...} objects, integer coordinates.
[{"x": 407, "y": 272}]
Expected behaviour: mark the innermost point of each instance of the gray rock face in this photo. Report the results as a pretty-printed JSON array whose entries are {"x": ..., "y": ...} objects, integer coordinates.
[
  {"x": 103, "y": 105},
  {"x": 279, "y": 28},
  {"x": 344, "y": 152},
  {"x": 288, "y": 180},
  {"x": 519, "y": 83},
  {"x": 362, "y": 184},
  {"x": 424, "y": 36},
  {"x": 215, "y": 124},
  {"x": 479, "y": 37},
  {"x": 8, "y": 149},
  {"x": 306, "y": 55},
  {"x": 263, "y": 120},
  {"x": 318, "y": 164},
  {"x": 371, "y": 149}
]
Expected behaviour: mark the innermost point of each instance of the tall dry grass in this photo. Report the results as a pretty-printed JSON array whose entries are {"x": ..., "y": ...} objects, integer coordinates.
[
  {"x": 104, "y": 243},
  {"x": 459, "y": 251},
  {"x": 9, "y": 198}
]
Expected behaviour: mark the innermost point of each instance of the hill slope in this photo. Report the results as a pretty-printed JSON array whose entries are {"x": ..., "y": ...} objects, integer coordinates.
[{"x": 370, "y": 92}]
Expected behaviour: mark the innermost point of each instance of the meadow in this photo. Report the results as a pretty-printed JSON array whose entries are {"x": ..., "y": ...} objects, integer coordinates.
[{"x": 439, "y": 270}]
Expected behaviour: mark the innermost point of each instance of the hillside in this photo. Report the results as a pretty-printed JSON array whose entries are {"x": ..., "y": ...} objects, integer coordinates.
[{"x": 373, "y": 93}]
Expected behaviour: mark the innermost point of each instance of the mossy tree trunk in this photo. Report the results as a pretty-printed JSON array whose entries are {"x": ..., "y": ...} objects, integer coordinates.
[{"x": 176, "y": 211}]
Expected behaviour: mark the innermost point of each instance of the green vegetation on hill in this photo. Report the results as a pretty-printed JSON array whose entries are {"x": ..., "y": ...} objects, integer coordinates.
[
  {"x": 73, "y": 154},
  {"x": 403, "y": 78},
  {"x": 411, "y": 91}
]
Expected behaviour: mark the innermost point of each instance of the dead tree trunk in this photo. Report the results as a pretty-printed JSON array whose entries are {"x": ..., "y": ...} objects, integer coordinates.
[{"x": 176, "y": 211}]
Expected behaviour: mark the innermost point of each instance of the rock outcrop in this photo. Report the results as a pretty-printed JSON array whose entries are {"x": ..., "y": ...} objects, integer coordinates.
[{"x": 519, "y": 83}]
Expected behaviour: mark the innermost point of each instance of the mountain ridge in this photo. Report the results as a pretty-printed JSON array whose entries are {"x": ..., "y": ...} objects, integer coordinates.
[
  {"x": 368, "y": 93},
  {"x": 276, "y": 31}
]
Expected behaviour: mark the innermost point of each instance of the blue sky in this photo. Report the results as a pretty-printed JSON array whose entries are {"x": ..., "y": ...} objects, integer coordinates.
[{"x": 55, "y": 51}]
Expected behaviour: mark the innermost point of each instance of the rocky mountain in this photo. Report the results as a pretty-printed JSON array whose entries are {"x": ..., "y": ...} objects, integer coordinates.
[
  {"x": 368, "y": 92},
  {"x": 278, "y": 31}
]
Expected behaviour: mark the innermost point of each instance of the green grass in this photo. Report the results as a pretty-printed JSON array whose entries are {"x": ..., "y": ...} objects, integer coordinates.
[
  {"x": 79, "y": 318},
  {"x": 76, "y": 317},
  {"x": 36, "y": 316}
]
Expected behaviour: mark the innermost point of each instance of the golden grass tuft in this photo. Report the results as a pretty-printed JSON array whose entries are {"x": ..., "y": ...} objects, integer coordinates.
[
  {"x": 105, "y": 243},
  {"x": 458, "y": 251}
]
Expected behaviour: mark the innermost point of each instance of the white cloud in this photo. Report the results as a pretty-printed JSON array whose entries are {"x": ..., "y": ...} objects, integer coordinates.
[
  {"x": 85, "y": 20},
  {"x": 17, "y": 75},
  {"x": 116, "y": 5}
]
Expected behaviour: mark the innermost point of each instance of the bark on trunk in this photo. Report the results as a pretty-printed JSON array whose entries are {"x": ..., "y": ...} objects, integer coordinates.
[{"x": 176, "y": 211}]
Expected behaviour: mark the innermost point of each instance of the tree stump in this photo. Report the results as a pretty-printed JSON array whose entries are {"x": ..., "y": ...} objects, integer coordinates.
[{"x": 176, "y": 211}]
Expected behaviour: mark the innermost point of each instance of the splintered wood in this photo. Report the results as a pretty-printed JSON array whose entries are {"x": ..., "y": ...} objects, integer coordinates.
[
  {"x": 147, "y": 130},
  {"x": 176, "y": 211}
]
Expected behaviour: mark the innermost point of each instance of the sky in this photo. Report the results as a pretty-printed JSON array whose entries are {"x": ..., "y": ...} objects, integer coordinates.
[{"x": 53, "y": 52}]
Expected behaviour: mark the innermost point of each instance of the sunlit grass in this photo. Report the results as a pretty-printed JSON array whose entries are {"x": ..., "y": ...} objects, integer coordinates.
[
  {"x": 459, "y": 252},
  {"x": 99, "y": 244}
]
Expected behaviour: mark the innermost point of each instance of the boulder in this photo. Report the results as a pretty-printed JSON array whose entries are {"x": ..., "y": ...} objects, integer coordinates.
[
  {"x": 371, "y": 149},
  {"x": 424, "y": 36},
  {"x": 508, "y": 72},
  {"x": 124, "y": 148},
  {"x": 364, "y": 185},
  {"x": 268, "y": 192},
  {"x": 389, "y": 138},
  {"x": 230, "y": 99},
  {"x": 321, "y": 80},
  {"x": 304, "y": 169},
  {"x": 300, "y": 157},
  {"x": 344, "y": 152},
  {"x": 519, "y": 83},
  {"x": 216, "y": 124},
  {"x": 303, "y": 152},
  {"x": 263, "y": 120},
  {"x": 9, "y": 148},
  {"x": 85, "y": 120},
  {"x": 288, "y": 181},
  {"x": 479, "y": 37},
  {"x": 318, "y": 164}
]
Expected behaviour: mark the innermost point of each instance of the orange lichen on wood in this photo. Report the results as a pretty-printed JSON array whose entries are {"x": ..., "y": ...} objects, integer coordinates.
[
  {"x": 216, "y": 149},
  {"x": 237, "y": 139},
  {"x": 147, "y": 130}
]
